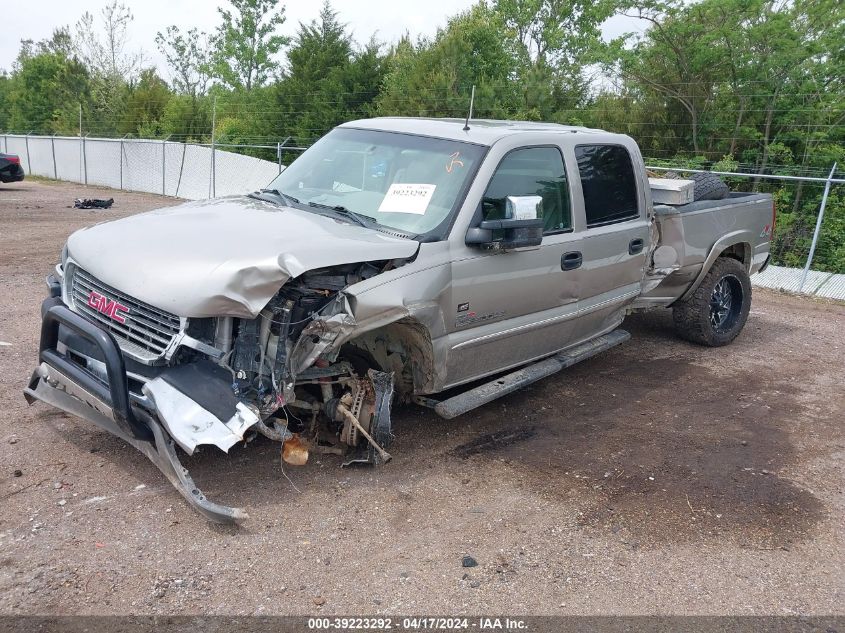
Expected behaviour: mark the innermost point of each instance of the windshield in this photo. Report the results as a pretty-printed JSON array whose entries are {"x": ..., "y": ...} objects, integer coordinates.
[{"x": 409, "y": 183}]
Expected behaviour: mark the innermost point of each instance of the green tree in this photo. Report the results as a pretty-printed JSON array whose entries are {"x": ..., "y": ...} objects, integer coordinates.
[
  {"x": 244, "y": 48},
  {"x": 187, "y": 57},
  {"x": 435, "y": 77},
  {"x": 187, "y": 114},
  {"x": 561, "y": 33},
  {"x": 112, "y": 65},
  {"x": 187, "y": 118},
  {"x": 5, "y": 90},
  {"x": 46, "y": 88},
  {"x": 106, "y": 53},
  {"x": 145, "y": 105},
  {"x": 327, "y": 81}
]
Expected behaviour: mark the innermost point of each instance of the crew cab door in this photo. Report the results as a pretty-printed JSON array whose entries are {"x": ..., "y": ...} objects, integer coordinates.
[
  {"x": 616, "y": 235},
  {"x": 510, "y": 307}
]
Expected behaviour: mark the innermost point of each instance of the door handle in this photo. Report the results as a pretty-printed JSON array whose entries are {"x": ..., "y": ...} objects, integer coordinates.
[
  {"x": 636, "y": 246},
  {"x": 571, "y": 260}
]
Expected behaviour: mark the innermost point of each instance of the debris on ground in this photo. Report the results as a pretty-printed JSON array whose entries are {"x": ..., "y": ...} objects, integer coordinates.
[
  {"x": 469, "y": 561},
  {"x": 92, "y": 203}
]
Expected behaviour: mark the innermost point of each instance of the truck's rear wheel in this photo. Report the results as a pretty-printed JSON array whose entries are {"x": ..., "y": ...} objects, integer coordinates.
[{"x": 717, "y": 311}]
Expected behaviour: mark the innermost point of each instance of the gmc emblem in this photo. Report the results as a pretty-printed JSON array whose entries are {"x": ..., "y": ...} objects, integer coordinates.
[{"x": 109, "y": 307}]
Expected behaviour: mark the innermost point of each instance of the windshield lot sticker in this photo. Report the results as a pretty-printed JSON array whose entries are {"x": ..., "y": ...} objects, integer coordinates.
[{"x": 407, "y": 198}]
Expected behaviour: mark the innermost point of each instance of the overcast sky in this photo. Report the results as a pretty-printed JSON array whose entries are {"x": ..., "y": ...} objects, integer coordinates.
[{"x": 36, "y": 19}]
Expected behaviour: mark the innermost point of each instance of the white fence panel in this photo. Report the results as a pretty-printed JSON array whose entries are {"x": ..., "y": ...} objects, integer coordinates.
[
  {"x": 39, "y": 159},
  {"x": 17, "y": 145},
  {"x": 230, "y": 169},
  {"x": 68, "y": 159},
  {"x": 142, "y": 166},
  {"x": 174, "y": 169},
  {"x": 195, "y": 180},
  {"x": 102, "y": 161},
  {"x": 174, "y": 153}
]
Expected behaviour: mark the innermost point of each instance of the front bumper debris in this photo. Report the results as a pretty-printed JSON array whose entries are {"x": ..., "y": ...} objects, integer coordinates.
[
  {"x": 66, "y": 385},
  {"x": 210, "y": 415}
]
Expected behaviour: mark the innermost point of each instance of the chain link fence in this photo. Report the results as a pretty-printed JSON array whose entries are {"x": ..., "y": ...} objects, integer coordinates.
[{"x": 184, "y": 170}]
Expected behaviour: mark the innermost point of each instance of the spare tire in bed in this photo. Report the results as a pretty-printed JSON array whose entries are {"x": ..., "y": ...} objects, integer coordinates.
[{"x": 709, "y": 187}]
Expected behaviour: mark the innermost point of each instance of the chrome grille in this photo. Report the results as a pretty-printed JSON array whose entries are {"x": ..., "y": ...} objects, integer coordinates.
[{"x": 147, "y": 332}]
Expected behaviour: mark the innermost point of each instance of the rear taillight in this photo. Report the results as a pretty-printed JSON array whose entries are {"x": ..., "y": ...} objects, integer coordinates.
[{"x": 14, "y": 159}]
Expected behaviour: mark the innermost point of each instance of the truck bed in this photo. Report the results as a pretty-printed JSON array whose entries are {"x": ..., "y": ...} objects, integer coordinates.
[
  {"x": 736, "y": 198},
  {"x": 690, "y": 235}
]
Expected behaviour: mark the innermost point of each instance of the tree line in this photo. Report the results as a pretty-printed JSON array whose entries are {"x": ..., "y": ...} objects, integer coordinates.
[{"x": 754, "y": 86}]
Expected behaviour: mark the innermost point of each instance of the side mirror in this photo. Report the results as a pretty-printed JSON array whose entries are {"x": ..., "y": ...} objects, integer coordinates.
[{"x": 522, "y": 226}]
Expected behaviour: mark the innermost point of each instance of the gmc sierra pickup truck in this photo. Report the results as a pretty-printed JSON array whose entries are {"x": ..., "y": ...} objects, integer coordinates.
[{"x": 394, "y": 260}]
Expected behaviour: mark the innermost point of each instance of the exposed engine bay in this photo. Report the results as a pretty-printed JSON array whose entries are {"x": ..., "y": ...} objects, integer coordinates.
[{"x": 288, "y": 379}]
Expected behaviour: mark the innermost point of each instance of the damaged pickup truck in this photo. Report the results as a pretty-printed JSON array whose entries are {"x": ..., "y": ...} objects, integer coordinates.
[{"x": 394, "y": 260}]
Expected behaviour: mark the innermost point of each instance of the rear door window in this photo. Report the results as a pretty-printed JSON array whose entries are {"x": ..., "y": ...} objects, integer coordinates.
[{"x": 607, "y": 180}]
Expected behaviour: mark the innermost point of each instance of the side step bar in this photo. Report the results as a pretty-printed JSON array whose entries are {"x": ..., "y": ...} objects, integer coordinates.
[{"x": 473, "y": 398}]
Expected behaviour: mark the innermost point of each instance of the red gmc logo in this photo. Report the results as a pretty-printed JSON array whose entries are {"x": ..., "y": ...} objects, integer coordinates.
[{"x": 109, "y": 307}]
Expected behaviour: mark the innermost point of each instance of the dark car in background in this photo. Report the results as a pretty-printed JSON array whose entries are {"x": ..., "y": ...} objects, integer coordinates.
[{"x": 10, "y": 168}]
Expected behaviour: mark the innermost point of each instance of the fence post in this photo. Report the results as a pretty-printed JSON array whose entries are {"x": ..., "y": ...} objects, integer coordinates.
[
  {"x": 53, "y": 149},
  {"x": 121, "y": 161},
  {"x": 85, "y": 160},
  {"x": 213, "y": 184},
  {"x": 817, "y": 231},
  {"x": 163, "y": 172},
  {"x": 279, "y": 147},
  {"x": 28, "y": 162},
  {"x": 181, "y": 167},
  {"x": 81, "y": 146}
]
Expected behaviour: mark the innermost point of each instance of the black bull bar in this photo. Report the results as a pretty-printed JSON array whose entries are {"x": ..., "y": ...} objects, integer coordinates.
[{"x": 66, "y": 385}]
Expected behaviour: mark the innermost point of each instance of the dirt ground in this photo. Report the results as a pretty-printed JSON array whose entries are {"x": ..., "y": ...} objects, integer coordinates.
[{"x": 658, "y": 478}]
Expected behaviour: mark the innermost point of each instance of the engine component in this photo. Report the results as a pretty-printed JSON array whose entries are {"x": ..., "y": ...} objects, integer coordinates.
[
  {"x": 365, "y": 412},
  {"x": 355, "y": 403},
  {"x": 276, "y": 433},
  {"x": 247, "y": 355},
  {"x": 268, "y": 373},
  {"x": 280, "y": 368}
]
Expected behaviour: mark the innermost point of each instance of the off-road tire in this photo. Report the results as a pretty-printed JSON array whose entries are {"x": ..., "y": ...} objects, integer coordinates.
[
  {"x": 704, "y": 317},
  {"x": 709, "y": 187}
]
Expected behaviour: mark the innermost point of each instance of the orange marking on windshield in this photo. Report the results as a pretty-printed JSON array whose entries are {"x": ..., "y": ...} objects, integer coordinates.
[{"x": 454, "y": 160}]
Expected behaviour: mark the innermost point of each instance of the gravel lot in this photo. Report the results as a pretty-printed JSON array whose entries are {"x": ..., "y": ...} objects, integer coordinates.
[{"x": 657, "y": 478}]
